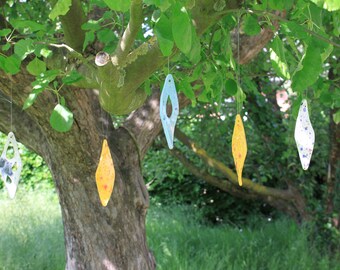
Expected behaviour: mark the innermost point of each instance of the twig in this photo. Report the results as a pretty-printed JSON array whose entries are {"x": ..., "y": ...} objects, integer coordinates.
[{"x": 126, "y": 41}]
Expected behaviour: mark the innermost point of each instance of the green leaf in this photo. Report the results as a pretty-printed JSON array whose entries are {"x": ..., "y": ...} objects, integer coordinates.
[
  {"x": 30, "y": 100},
  {"x": 181, "y": 28},
  {"x": 12, "y": 64},
  {"x": 195, "y": 53},
  {"x": 203, "y": 97},
  {"x": 296, "y": 107},
  {"x": 89, "y": 38},
  {"x": 240, "y": 95},
  {"x": 23, "y": 48},
  {"x": 326, "y": 99},
  {"x": 311, "y": 68},
  {"x": 280, "y": 4},
  {"x": 162, "y": 4},
  {"x": 147, "y": 87},
  {"x": 91, "y": 25},
  {"x": 231, "y": 87},
  {"x": 72, "y": 77},
  {"x": 50, "y": 75},
  {"x": 336, "y": 117},
  {"x": 2, "y": 62},
  {"x": 60, "y": 8},
  {"x": 118, "y": 5},
  {"x": 251, "y": 26},
  {"x": 293, "y": 29},
  {"x": 45, "y": 52},
  {"x": 106, "y": 35},
  {"x": 330, "y": 5},
  {"x": 156, "y": 15},
  {"x": 61, "y": 118},
  {"x": 277, "y": 57},
  {"x": 24, "y": 24},
  {"x": 4, "y": 32},
  {"x": 6, "y": 47},
  {"x": 185, "y": 87},
  {"x": 164, "y": 35},
  {"x": 36, "y": 66}
]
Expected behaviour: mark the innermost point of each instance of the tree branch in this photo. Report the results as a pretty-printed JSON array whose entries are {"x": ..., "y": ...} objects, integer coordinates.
[
  {"x": 212, "y": 180},
  {"x": 232, "y": 177},
  {"x": 71, "y": 23},
  {"x": 250, "y": 46},
  {"x": 291, "y": 203},
  {"x": 126, "y": 41}
]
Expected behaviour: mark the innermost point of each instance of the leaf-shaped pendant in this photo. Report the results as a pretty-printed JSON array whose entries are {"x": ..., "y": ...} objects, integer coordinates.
[
  {"x": 105, "y": 174},
  {"x": 304, "y": 135},
  {"x": 169, "y": 123},
  {"x": 10, "y": 168},
  {"x": 239, "y": 147}
]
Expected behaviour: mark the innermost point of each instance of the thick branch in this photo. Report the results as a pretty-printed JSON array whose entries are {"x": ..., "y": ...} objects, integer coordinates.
[
  {"x": 250, "y": 46},
  {"x": 291, "y": 201},
  {"x": 212, "y": 180},
  {"x": 126, "y": 41},
  {"x": 72, "y": 22},
  {"x": 232, "y": 177}
]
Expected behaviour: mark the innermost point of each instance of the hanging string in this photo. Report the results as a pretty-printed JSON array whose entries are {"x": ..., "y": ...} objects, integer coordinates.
[
  {"x": 104, "y": 121},
  {"x": 11, "y": 106},
  {"x": 168, "y": 65},
  {"x": 238, "y": 96}
]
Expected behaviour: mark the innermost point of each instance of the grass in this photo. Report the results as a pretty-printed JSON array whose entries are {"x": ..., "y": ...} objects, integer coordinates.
[
  {"x": 31, "y": 232},
  {"x": 180, "y": 243},
  {"x": 31, "y": 237}
]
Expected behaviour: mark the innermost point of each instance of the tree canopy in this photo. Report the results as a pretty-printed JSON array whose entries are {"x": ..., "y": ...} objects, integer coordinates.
[{"x": 70, "y": 68}]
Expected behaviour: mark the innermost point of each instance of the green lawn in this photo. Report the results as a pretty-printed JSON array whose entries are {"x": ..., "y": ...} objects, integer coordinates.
[{"x": 31, "y": 237}]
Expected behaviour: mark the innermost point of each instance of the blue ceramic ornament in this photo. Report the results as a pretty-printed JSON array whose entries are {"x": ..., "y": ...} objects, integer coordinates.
[{"x": 169, "y": 123}]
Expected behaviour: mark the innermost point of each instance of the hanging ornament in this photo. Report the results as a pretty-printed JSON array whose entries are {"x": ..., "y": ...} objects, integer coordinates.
[
  {"x": 169, "y": 123},
  {"x": 105, "y": 174},
  {"x": 239, "y": 147},
  {"x": 10, "y": 168},
  {"x": 304, "y": 135}
]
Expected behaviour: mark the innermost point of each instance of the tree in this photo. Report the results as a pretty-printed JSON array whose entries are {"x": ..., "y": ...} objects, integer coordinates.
[{"x": 49, "y": 51}]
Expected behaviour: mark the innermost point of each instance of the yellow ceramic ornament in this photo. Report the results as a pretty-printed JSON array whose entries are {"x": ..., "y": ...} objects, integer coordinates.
[
  {"x": 239, "y": 147},
  {"x": 105, "y": 174}
]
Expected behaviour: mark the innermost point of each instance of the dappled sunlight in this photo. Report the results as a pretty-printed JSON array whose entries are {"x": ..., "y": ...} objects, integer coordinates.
[{"x": 109, "y": 265}]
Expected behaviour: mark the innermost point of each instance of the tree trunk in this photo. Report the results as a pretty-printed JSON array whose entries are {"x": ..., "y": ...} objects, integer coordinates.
[{"x": 97, "y": 237}]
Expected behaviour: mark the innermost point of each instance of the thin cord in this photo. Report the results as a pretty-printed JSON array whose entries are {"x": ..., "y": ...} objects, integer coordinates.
[
  {"x": 11, "y": 106},
  {"x": 168, "y": 65},
  {"x": 238, "y": 105}
]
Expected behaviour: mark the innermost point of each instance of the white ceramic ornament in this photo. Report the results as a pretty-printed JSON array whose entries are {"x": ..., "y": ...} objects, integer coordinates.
[
  {"x": 10, "y": 168},
  {"x": 304, "y": 135},
  {"x": 169, "y": 123}
]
